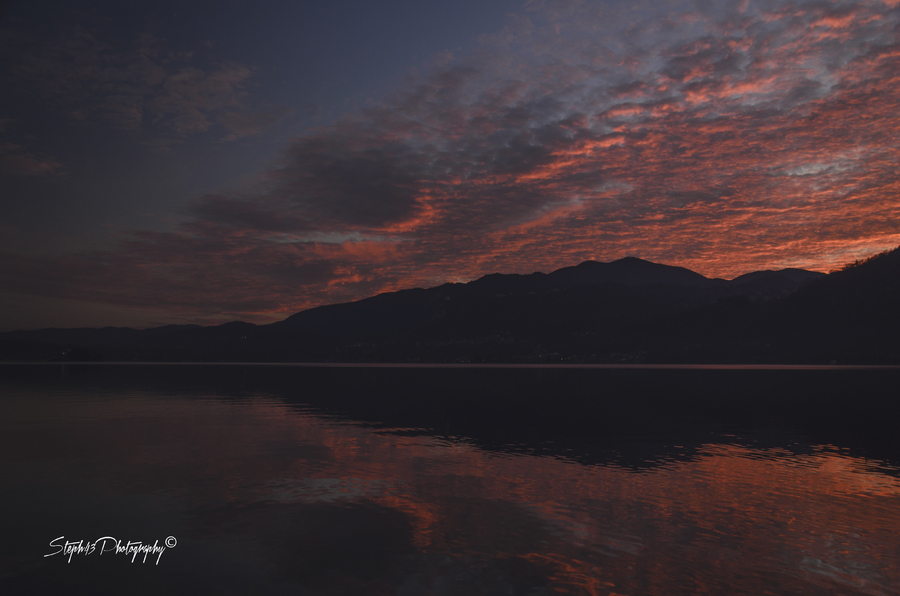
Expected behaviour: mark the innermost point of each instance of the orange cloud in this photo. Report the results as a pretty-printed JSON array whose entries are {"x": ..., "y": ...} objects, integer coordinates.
[{"x": 749, "y": 141}]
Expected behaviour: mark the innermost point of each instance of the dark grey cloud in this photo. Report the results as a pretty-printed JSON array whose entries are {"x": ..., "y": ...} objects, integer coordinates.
[
  {"x": 339, "y": 185},
  {"x": 17, "y": 160},
  {"x": 142, "y": 87}
]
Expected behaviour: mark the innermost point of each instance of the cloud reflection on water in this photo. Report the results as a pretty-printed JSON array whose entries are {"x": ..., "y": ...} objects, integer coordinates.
[{"x": 336, "y": 506}]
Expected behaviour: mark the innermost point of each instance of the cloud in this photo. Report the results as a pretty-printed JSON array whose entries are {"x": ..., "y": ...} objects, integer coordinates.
[
  {"x": 251, "y": 123},
  {"x": 146, "y": 88},
  {"x": 16, "y": 160},
  {"x": 726, "y": 140}
]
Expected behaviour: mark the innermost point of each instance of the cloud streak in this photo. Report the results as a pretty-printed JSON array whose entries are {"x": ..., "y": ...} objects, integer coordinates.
[
  {"x": 145, "y": 88},
  {"x": 17, "y": 160},
  {"x": 727, "y": 139}
]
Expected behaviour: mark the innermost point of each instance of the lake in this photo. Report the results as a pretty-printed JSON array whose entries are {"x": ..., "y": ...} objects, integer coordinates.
[{"x": 254, "y": 479}]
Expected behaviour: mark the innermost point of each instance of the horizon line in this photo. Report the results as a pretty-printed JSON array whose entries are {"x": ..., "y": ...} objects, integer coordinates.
[{"x": 485, "y": 365}]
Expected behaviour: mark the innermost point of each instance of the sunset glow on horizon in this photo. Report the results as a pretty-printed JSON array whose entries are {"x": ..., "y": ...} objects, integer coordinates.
[{"x": 719, "y": 136}]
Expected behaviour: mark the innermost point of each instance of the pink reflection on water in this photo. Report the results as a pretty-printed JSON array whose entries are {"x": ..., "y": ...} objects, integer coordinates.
[{"x": 732, "y": 520}]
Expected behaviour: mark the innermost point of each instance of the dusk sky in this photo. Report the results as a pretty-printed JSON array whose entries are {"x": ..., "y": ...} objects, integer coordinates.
[{"x": 204, "y": 162}]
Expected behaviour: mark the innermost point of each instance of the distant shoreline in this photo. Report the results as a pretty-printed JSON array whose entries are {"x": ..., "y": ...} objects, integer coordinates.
[{"x": 482, "y": 365}]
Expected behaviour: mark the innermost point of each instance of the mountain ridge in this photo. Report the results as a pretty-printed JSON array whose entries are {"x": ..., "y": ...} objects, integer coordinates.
[{"x": 629, "y": 310}]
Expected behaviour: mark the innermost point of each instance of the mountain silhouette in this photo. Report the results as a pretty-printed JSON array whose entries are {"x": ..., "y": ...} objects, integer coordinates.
[
  {"x": 853, "y": 312},
  {"x": 629, "y": 271},
  {"x": 630, "y": 311}
]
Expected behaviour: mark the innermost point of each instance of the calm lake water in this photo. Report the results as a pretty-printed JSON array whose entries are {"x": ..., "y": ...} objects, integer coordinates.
[{"x": 305, "y": 480}]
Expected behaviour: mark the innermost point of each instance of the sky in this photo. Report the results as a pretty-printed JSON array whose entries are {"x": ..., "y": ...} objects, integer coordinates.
[{"x": 203, "y": 162}]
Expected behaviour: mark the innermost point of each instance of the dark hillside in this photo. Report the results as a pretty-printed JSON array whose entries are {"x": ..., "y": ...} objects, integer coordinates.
[{"x": 627, "y": 311}]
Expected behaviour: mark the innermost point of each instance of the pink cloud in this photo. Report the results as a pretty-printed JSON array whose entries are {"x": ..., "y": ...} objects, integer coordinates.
[{"x": 726, "y": 143}]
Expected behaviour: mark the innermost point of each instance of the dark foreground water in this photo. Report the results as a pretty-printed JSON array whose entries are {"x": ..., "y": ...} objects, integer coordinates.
[{"x": 286, "y": 480}]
